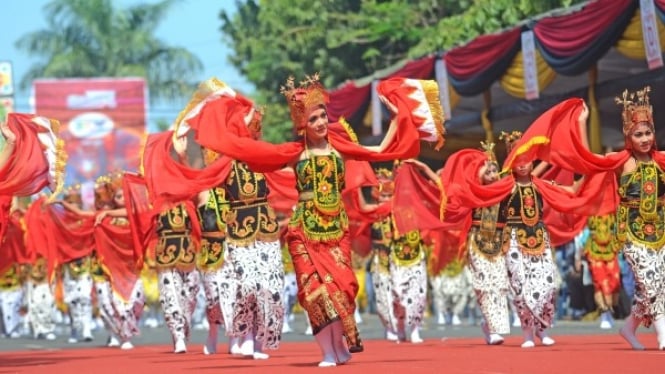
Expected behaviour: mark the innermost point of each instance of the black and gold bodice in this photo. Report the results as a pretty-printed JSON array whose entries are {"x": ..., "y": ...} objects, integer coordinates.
[
  {"x": 287, "y": 260},
  {"x": 10, "y": 279},
  {"x": 175, "y": 247},
  {"x": 602, "y": 244},
  {"x": 407, "y": 249},
  {"x": 250, "y": 217},
  {"x": 382, "y": 234},
  {"x": 37, "y": 272},
  {"x": 641, "y": 213},
  {"x": 79, "y": 267},
  {"x": 320, "y": 212},
  {"x": 523, "y": 212},
  {"x": 211, "y": 256},
  {"x": 97, "y": 269},
  {"x": 486, "y": 233}
]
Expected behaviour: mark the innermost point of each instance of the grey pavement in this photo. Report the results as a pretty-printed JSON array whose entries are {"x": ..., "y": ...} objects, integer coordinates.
[{"x": 370, "y": 328}]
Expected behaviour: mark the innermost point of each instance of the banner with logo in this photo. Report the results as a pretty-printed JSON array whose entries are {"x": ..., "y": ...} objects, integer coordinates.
[
  {"x": 6, "y": 106},
  {"x": 6, "y": 79},
  {"x": 102, "y": 122}
]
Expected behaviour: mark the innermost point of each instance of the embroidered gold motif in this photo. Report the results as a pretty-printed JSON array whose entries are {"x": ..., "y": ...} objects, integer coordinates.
[
  {"x": 528, "y": 226},
  {"x": 10, "y": 280},
  {"x": 321, "y": 216},
  {"x": 601, "y": 244},
  {"x": 641, "y": 213},
  {"x": 407, "y": 250}
]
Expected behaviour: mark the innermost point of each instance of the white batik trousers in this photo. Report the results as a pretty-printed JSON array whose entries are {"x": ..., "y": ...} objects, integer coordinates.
[
  {"x": 220, "y": 291},
  {"x": 178, "y": 290},
  {"x": 409, "y": 294},
  {"x": 532, "y": 280},
  {"x": 77, "y": 293},
  {"x": 11, "y": 301},
  {"x": 648, "y": 266},
  {"x": 41, "y": 306},
  {"x": 489, "y": 278},
  {"x": 381, "y": 281},
  {"x": 259, "y": 309},
  {"x": 121, "y": 317}
]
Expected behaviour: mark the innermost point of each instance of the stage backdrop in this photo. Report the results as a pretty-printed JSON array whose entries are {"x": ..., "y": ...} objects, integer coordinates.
[{"x": 102, "y": 122}]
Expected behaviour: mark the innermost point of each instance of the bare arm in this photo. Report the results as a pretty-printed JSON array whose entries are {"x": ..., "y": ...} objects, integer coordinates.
[
  {"x": 10, "y": 142},
  {"x": 120, "y": 212},
  {"x": 425, "y": 169},
  {"x": 392, "y": 129},
  {"x": 180, "y": 146},
  {"x": 583, "y": 128},
  {"x": 572, "y": 188},
  {"x": 364, "y": 205},
  {"x": 540, "y": 169},
  {"x": 73, "y": 208}
]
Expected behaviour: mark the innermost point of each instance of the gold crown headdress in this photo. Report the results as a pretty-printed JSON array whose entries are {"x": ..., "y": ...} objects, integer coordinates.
[
  {"x": 105, "y": 188},
  {"x": 72, "y": 194},
  {"x": 510, "y": 138},
  {"x": 209, "y": 156},
  {"x": 255, "y": 122},
  {"x": 636, "y": 108},
  {"x": 488, "y": 148},
  {"x": 103, "y": 191},
  {"x": 303, "y": 99},
  {"x": 386, "y": 180}
]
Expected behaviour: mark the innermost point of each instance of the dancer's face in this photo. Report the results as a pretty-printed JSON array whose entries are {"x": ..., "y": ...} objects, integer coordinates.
[
  {"x": 119, "y": 198},
  {"x": 523, "y": 170},
  {"x": 642, "y": 138},
  {"x": 317, "y": 125},
  {"x": 490, "y": 173}
]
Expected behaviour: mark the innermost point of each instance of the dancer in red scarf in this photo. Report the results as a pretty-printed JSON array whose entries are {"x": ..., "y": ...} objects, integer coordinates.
[
  {"x": 32, "y": 158},
  {"x": 14, "y": 256},
  {"x": 116, "y": 262},
  {"x": 601, "y": 251},
  {"x": 318, "y": 237}
]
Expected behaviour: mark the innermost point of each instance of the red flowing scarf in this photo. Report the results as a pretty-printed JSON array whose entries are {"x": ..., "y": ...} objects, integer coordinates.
[
  {"x": 220, "y": 126},
  {"x": 28, "y": 168},
  {"x": 41, "y": 239},
  {"x": 120, "y": 259},
  {"x": 14, "y": 249}
]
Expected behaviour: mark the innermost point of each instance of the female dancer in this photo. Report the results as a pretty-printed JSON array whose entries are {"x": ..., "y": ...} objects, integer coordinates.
[
  {"x": 317, "y": 236},
  {"x": 641, "y": 215},
  {"x": 217, "y": 274},
  {"x": 600, "y": 251},
  {"x": 485, "y": 255},
  {"x": 118, "y": 285}
]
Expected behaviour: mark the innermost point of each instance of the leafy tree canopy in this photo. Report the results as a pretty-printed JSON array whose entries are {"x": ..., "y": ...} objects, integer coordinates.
[
  {"x": 346, "y": 39},
  {"x": 94, "y": 38}
]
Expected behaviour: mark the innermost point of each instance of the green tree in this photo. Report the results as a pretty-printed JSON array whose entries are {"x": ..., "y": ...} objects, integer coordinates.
[
  {"x": 92, "y": 38},
  {"x": 347, "y": 39}
]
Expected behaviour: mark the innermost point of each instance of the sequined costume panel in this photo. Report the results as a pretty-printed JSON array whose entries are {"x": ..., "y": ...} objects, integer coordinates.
[{"x": 320, "y": 247}]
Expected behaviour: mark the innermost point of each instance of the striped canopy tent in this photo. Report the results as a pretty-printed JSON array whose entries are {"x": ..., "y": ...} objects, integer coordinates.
[{"x": 594, "y": 50}]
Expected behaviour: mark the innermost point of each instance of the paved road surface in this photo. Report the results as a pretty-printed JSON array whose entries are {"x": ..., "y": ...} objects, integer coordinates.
[{"x": 369, "y": 329}]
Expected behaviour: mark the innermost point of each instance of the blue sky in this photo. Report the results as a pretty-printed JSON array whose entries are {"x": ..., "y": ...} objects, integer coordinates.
[{"x": 193, "y": 24}]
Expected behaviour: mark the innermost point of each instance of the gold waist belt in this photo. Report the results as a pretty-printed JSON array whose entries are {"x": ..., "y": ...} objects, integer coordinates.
[
  {"x": 635, "y": 203},
  {"x": 306, "y": 196}
]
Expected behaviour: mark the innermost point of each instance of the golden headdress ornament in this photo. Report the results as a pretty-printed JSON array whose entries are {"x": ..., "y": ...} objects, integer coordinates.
[
  {"x": 303, "y": 99},
  {"x": 72, "y": 194},
  {"x": 510, "y": 138},
  {"x": 489, "y": 150},
  {"x": 386, "y": 180},
  {"x": 205, "y": 90},
  {"x": 636, "y": 108},
  {"x": 209, "y": 156},
  {"x": 105, "y": 188}
]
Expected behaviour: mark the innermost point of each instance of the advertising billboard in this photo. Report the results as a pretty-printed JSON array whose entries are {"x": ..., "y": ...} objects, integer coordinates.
[{"x": 102, "y": 122}]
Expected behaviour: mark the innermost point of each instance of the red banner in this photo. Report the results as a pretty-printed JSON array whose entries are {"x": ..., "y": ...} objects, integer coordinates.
[{"x": 102, "y": 119}]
